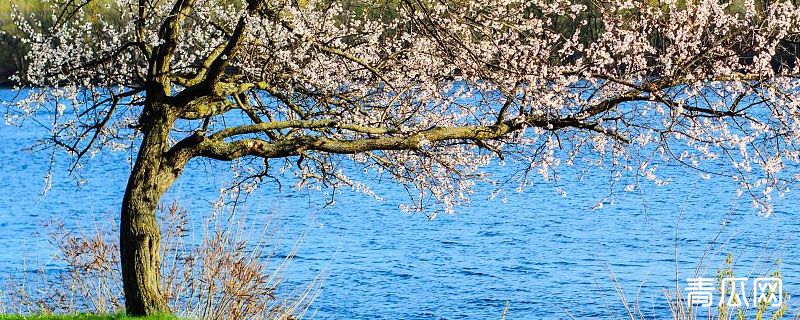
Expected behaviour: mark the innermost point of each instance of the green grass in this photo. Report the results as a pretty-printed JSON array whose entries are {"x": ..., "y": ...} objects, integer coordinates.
[{"x": 83, "y": 317}]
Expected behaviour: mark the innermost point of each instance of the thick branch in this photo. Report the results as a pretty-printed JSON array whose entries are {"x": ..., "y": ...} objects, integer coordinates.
[
  {"x": 169, "y": 34},
  {"x": 216, "y": 148},
  {"x": 301, "y": 124},
  {"x": 206, "y": 107}
]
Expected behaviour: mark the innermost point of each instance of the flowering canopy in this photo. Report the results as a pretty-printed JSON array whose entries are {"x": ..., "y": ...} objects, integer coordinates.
[{"x": 429, "y": 92}]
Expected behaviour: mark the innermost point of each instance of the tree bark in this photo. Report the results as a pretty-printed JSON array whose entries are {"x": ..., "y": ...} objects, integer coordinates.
[{"x": 140, "y": 237}]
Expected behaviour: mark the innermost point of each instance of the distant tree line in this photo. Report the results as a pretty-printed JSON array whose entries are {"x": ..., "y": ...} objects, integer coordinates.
[{"x": 14, "y": 50}]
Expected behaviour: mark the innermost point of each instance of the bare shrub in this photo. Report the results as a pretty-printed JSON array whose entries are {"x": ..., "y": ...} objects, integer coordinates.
[
  {"x": 680, "y": 307},
  {"x": 227, "y": 274}
]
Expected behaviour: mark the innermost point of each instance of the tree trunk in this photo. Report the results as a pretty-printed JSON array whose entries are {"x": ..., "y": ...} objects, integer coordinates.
[{"x": 140, "y": 236}]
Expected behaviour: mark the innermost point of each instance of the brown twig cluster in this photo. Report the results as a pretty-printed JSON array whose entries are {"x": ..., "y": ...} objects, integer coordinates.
[{"x": 227, "y": 274}]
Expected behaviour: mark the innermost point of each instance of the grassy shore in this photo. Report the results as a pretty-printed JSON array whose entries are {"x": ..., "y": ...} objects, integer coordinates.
[{"x": 83, "y": 317}]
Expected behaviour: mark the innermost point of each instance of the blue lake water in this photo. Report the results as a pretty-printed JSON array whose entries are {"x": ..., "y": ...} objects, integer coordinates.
[{"x": 545, "y": 255}]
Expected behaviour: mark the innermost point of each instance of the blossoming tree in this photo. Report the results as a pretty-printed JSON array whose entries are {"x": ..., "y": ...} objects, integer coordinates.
[{"x": 427, "y": 92}]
